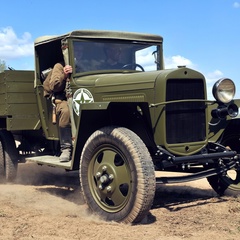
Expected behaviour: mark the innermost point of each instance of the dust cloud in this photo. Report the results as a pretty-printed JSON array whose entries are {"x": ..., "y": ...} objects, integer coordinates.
[
  {"x": 46, "y": 189},
  {"x": 46, "y": 203}
]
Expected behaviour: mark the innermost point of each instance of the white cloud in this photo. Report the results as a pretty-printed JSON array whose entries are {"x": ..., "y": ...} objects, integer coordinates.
[
  {"x": 236, "y": 4},
  {"x": 13, "y": 47},
  {"x": 146, "y": 59},
  {"x": 175, "y": 61},
  {"x": 211, "y": 78}
]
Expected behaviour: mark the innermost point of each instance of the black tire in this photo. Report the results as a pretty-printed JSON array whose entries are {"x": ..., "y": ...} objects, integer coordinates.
[
  {"x": 2, "y": 164},
  {"x": 228, "y": 184},
  {"x": 8, "y": 157},
  {"x": 117, "y": 175}
]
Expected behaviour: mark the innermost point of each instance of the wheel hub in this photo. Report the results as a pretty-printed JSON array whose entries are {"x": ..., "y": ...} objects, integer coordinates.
[{"x": 104, "y": 179}]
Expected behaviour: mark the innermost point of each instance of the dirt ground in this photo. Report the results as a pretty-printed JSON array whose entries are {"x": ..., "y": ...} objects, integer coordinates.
[{"x": 45, "y": 203}]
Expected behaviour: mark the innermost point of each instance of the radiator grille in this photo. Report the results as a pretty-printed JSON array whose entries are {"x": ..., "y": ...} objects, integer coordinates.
[{"x": 185, "y": 121}]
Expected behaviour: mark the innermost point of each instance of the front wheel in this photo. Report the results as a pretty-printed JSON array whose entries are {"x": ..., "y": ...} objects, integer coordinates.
[
  {"x": 117, "y": 175},
  {"x": 229, "y": 183}
]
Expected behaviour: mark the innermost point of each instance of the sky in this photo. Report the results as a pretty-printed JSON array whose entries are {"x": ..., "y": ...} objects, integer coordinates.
[{"x": 203, "y": 35}]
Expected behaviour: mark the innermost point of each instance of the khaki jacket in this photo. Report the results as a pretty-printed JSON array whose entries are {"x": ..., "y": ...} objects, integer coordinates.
[{"x": 55, "y": 81}]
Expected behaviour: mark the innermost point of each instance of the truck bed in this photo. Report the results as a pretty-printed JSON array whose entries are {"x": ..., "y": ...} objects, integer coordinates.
[{"x": 18, "y": 102}]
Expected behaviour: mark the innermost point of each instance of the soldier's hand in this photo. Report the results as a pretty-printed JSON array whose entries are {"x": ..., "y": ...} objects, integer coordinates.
[{"x": 67, "y": 69}]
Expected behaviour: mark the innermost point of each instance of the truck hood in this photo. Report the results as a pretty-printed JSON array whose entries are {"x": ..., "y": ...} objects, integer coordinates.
[{"x": 125, "y": 81}]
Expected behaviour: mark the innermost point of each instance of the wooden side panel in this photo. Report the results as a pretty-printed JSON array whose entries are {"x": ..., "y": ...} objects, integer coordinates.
[{"x": 18, "y": 103}]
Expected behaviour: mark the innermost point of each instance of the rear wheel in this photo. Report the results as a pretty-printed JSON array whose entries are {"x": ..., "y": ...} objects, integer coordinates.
[
  {"x": 117, "y": 175},
  {"x": 8, "y": 156},
  {"x": 228, "y": 184}
]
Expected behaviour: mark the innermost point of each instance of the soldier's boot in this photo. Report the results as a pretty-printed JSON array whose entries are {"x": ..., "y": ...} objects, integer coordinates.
[{"x": 65, "y": 144}]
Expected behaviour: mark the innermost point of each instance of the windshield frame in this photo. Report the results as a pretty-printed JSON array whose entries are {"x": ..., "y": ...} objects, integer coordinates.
[{"x": 93, "y": 60}]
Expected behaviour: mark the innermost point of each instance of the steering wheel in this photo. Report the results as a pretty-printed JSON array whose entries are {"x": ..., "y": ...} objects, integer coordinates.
[{"x": 133, "y": 66}]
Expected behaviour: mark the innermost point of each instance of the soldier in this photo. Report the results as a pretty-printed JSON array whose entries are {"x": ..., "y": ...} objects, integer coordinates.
[
  {"x": 57, "y": 82},
  {"x": 113, "y": 53},
  {"x": 78, "y": 58}
]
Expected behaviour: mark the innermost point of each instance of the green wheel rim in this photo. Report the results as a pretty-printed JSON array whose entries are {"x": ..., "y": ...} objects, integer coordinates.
[{"x": 110, "y": 179}]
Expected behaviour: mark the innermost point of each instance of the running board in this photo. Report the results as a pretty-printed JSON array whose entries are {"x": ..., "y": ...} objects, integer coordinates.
[{"x": 51, "y": 161}]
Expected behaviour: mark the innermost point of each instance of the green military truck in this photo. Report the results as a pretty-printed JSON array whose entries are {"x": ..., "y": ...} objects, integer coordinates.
[{"x": 130, "y": 122}]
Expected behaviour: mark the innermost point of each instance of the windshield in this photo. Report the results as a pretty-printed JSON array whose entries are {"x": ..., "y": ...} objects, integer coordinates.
[{"x": 95, "y": 56}]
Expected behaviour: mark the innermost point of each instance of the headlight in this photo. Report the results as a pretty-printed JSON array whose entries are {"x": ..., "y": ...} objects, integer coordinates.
[{"x": 224, "y": 90}]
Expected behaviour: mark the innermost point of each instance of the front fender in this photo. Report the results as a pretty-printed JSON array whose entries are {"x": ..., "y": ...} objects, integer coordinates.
[
  {"x": 218, "y": 127},
  {"x": 93, "y": 116}
]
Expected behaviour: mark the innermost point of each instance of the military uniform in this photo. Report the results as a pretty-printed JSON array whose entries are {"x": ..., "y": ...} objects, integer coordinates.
[{"x": 57, "y": 83}]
